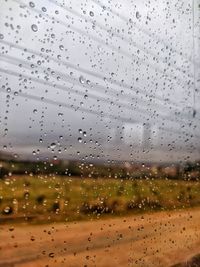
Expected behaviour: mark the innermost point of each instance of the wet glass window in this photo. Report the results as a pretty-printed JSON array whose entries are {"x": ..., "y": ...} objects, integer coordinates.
[{"x": 99, "y": 133}]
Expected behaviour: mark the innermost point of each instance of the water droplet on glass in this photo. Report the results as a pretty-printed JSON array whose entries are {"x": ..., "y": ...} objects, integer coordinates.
[
  {"x": 7, "y": 210},
  {"x": 34, "y": 27},
  {"x": 35, "y": 111},
  {"x": 80, "y": 140},
  {"x": 11, "y": 228},
  {"x": 1, "y": 36},
  {"x": 53, "y": 145},
  {"x": 81, "y": 80},
  {"x": 44, "y": 9},
  {"x": 32, "y": 238},
  {"x": 91, "y": 13},
  {"x": 61, "y": 47},
  {"x": 31, "y": 4},
  {"x": 138, "y": 15}
]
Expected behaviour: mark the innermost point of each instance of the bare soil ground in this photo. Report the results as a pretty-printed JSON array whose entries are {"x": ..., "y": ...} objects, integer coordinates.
[{"x": 157, "y": 239}]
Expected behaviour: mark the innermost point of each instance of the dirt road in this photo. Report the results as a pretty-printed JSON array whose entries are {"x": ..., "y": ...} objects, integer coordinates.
[{"x": 159, "y": 239}]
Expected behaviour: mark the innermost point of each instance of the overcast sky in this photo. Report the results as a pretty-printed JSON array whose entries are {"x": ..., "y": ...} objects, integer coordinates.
[{"x": 103, "y": 80}]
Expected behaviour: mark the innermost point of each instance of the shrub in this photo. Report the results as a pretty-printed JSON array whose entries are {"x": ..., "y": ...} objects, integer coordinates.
[
  {"x": 95, "y": 208},
  {"x": 3, "y": 172}
]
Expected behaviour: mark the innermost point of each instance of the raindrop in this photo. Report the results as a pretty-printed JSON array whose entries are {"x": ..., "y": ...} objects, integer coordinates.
[
  {"x": 32, "y": 238},
  {"x": 7, "y": 210},
  {"x": 31, "y": 4},
  {"x": 80, "y": 140},
  {"x": 81, "y": 80},
  {"x": 53, "y": 145},
  {"x": 11, "y": 228},
  {"x": 61, "y": 47},
  {"x": 34, "y": 27},
  {"x": 91, "y": 13},
  {"x": 44, "y": 9},
  {"x": 1, "y": 36},
  {"x": 35, "y": 111},
  {"x": 138, "y": 16}
]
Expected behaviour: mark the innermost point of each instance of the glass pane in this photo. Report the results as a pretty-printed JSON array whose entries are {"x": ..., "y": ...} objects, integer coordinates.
[{"x": 99, "y": 133}]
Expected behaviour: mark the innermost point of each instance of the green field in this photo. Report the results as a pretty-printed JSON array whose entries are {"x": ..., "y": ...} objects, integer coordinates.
[{"x": 50, "y": 198}]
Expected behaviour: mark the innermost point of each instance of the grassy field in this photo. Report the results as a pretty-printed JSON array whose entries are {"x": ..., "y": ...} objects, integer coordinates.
[{"x": 50, "y": 198}]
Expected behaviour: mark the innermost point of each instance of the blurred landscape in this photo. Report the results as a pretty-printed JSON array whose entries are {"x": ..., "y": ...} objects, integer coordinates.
[{"x": 49, "y": 191}]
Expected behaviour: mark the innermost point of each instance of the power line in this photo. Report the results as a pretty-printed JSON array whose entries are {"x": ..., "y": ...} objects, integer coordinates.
[
  {"x": 123, "y": 38},
  {"x": 98, "y": 98},
  {"x": 98, "y": 40},
  {"x": 93, "y": 85},
  {"x": 89, "y": 111},
  {"x": 70, "y": 90},
  {"x": 74, "y": 107},
  {"x": 154, "y": 116},
  {"x": 88, "y": 72},
  {"x": 146, "y": 32},
  {"x": 90, "y": 85}
]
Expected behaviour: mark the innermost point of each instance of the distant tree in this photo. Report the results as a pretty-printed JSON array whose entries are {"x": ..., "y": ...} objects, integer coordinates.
[{"x": 3, "y": 172}]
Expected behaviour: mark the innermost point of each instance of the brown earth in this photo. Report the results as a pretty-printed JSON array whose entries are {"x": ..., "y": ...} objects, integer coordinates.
[{"x": 158, "y": 239}]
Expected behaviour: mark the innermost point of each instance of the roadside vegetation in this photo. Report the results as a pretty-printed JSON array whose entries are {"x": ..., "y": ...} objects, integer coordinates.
[{"x": 49, "y": 198}]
